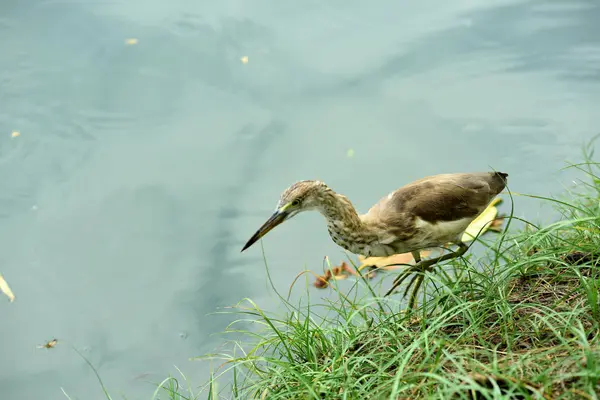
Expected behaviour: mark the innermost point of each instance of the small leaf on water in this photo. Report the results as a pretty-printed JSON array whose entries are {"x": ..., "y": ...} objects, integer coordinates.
[
  {"x": 340, "y": 277},
  {"x": 15, "y": 134},
  {"x": 131, "y": 41},
  {"x": 350, "y": 153},
  {"x": 6, "y": 289},
  {"x": 49, "y": 345},
  {"x": 381, "y": 262},
  {"x": 337, "y": 273},
  {"x": 244, "y": 60}
]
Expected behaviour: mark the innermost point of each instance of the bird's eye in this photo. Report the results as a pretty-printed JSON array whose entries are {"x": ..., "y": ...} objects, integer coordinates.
[{"x": 296, "y": 203}]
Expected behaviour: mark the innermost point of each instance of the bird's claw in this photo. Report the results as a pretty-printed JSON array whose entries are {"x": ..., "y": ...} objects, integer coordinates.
[{"x": 419, "y": 270}]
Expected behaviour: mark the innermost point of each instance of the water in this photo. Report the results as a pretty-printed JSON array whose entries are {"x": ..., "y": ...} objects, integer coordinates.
[{"x": 141, "y": 169}]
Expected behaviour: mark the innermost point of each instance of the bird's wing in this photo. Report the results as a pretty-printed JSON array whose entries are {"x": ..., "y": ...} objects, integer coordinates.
[{"x": 446, "y": 197}]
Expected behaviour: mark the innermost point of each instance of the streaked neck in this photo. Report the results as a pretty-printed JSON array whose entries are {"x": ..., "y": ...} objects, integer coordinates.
[{"x": 343, "y": 222}]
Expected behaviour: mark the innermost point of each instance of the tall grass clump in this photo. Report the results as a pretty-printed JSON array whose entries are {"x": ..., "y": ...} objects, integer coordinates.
[{"x": 521, "y": 321}]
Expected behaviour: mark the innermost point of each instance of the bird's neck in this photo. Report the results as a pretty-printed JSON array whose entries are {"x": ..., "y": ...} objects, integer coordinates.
[
  {"x": 338, "y": 211},
  {"x": 344, "y": 224}
]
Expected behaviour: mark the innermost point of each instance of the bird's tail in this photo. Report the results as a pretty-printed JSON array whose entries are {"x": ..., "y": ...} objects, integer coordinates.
[
  {"x": 499, "y": 180},
  {"x": 501, "y": 175}
]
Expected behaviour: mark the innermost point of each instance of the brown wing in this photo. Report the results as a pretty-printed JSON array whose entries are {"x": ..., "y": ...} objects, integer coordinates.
[{"x": 445, "y": 197}]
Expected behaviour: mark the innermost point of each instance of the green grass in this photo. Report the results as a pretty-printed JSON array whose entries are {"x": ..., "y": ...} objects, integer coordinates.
[{"x": 521, "y": 322}]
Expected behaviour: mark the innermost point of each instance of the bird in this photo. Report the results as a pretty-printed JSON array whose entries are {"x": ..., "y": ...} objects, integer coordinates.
[{"x": 430, "y": 212}]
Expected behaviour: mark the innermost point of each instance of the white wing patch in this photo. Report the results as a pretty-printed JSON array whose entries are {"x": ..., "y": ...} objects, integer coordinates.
[{"x": 445, "y": 231}]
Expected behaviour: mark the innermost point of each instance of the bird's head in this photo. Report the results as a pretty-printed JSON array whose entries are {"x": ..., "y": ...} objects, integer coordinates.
[{"x": 301, "y": 196}]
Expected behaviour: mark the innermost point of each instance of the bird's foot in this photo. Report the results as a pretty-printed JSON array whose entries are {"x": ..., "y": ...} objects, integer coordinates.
[{"x": 417, "y": 269}]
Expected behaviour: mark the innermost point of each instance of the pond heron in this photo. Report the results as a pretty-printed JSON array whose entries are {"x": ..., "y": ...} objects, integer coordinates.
[{"x": 429, "y": 212}]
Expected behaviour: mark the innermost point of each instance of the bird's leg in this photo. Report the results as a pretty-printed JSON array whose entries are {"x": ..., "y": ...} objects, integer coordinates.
[
  {"x": 415, "y": 276},
  {"x": 413, "y": 296},
  {"x": 405, "y": 274},
  {"x": 424, "y": 265},
  {"x": 417, "y": 256},
  {"x": 399, "y": 279}
]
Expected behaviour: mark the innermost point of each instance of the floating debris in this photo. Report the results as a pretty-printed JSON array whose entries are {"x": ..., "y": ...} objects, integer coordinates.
[
  {"x": 350, "y": 153},
  {"x": 6, "y": 289},
  {"x": 343, "y": 271},
  {"x": 49, "y": 345},
  {"x": 381, "y": 262},
  {"x": 390, "y": 263},
  {"x": 322, "y": 281},
  {"x": 131, "y": 41},
  {"x": 244, "y": 60},
  {"x": 15, "y": 134},
  {"x": 340, "y": 272}
]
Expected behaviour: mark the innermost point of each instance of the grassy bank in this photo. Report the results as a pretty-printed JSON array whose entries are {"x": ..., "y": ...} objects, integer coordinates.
[{"x": 521, "y": 322}]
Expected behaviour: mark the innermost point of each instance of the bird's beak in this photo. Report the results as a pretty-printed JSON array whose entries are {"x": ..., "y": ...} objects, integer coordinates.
[{"x": 277, "y": 218}]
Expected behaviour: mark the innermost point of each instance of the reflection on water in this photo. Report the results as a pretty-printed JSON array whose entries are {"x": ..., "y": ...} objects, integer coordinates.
[{"x": 141, "y": 169}]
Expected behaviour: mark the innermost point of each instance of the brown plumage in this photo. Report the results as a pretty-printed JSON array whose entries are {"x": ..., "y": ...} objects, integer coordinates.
[{"x": 426, "y": 213}]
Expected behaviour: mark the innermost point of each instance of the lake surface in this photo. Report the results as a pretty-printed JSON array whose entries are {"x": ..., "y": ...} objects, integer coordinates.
[{"x": 148, "y": 153}]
